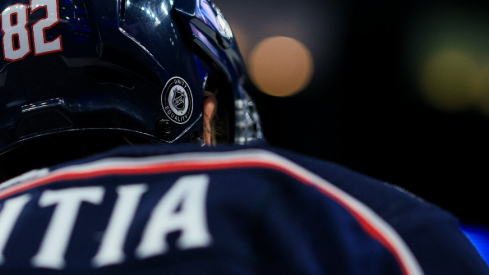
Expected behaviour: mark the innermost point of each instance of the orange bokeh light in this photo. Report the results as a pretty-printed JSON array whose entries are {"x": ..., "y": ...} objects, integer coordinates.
[{"x": 281, "y": 66}]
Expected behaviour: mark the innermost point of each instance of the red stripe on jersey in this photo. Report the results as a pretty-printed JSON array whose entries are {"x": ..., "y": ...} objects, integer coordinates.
[{"x": 369, "y": 221}]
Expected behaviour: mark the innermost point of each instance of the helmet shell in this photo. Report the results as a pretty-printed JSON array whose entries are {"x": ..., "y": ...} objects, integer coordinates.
[{"x": 135, "y": 66}]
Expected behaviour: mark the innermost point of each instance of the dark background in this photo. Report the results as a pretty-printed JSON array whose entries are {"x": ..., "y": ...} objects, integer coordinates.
[{"x": 363, "y": 107}]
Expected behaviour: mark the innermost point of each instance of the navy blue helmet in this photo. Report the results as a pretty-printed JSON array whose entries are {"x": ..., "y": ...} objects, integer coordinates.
[{"x": 133, "y": 67}]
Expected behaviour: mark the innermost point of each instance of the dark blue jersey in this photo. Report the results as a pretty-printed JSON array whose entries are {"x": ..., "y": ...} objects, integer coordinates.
[{"x": 225, "y": 210}]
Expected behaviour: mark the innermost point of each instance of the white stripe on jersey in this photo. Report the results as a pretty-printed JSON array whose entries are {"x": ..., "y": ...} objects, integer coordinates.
[{"x": 367, "y": 218}]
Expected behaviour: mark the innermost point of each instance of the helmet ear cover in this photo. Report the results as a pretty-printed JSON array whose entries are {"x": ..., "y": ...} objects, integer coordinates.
[{"x": 213, "y": 41}]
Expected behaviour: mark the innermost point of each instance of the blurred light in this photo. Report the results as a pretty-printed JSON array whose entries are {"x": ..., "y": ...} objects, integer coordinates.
[
  {"x": 482, "y": 101},
  {"x": 280, "y": 66},
  {"x": 447, "y": 50},
  {"x": 479, "y": 237},
  {"x": 451, "y": 80}
]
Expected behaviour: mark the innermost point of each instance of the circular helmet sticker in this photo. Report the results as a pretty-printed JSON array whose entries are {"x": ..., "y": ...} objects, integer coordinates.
[{"x": 176, "y": 100}]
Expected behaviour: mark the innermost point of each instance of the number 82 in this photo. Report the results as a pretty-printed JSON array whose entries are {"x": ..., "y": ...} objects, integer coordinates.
[{"x": 16, "y": 35}]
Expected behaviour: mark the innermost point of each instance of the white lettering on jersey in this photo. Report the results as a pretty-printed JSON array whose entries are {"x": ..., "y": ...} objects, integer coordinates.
[
  {"x": 68, "y": 202},
  {"x": 8, "y": 216},
  {"x": 188, "y": 195},
  {"x": 110, "y": 250},
  {"x": 182, "y": 208}
]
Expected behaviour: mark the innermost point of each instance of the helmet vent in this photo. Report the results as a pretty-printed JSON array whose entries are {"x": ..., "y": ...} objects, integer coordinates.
[
  {"x": 107, "y": 75},
  {"x": 128, "y": 64},
  {"x": 41, "y": 121}
]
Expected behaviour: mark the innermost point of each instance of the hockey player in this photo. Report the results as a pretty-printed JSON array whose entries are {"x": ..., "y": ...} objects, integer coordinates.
[{"x": 162, "y": 78}]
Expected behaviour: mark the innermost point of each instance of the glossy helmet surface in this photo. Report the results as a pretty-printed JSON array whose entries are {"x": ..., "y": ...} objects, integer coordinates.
[{"x": 137, "y": 67}]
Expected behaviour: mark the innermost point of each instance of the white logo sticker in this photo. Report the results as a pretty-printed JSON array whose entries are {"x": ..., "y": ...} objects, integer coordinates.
[{"x": 177, "y": 101}]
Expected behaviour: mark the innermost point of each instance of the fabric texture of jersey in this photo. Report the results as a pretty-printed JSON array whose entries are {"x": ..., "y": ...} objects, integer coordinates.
[{"x": 226, "y": 210}]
